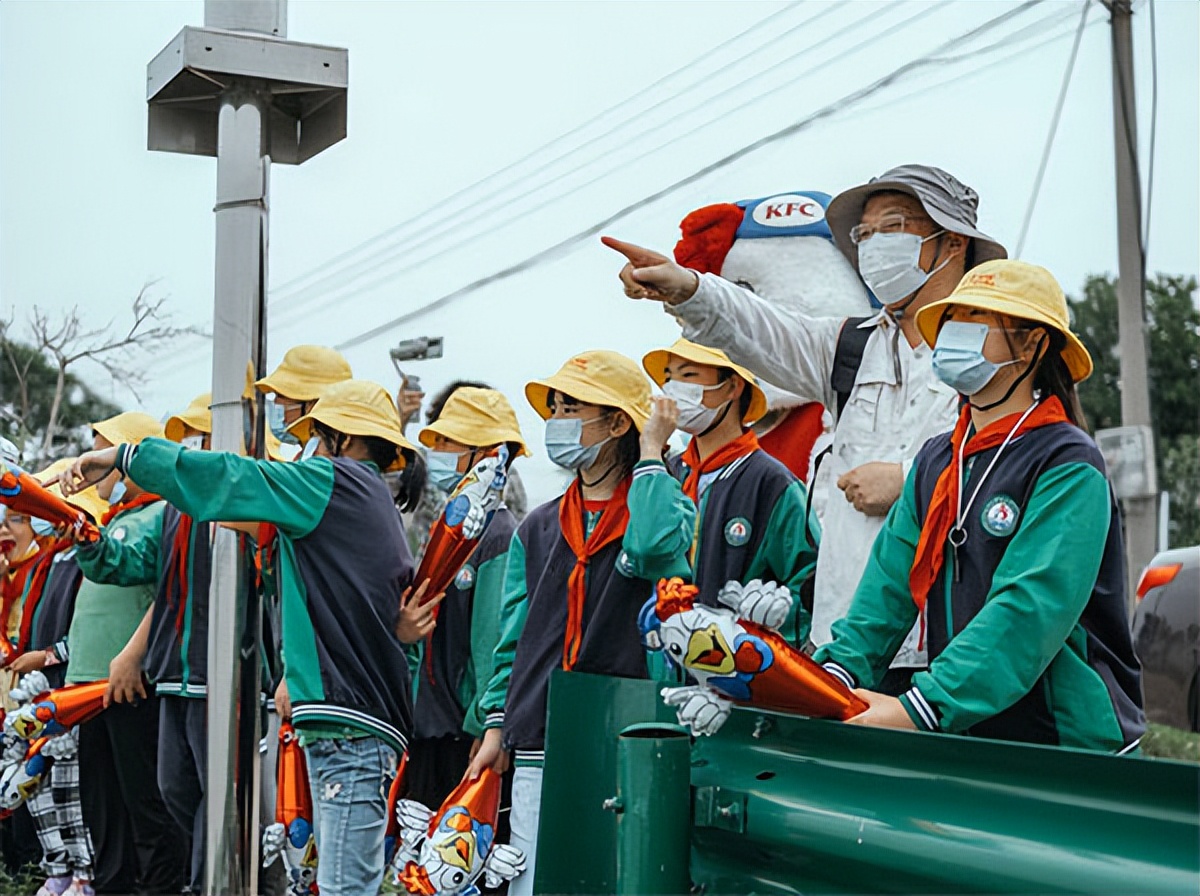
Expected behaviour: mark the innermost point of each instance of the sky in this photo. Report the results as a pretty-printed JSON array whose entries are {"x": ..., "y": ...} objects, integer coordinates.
[{"x": 631, "y": 96}]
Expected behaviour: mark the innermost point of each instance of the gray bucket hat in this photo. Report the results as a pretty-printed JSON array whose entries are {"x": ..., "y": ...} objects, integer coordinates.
[{"x": 951, "y": 203}]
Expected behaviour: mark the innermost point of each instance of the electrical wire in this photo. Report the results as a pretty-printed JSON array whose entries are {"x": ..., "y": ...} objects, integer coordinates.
[
  {"x": 348, "y": 290},
  {"x": 1054, "y": 120},
  {"x": 1153, "y": 133},
  {"x": 502, "y": 202},
  {"x": 471, "y": 190},
  {"x": 596, "y": 229}
]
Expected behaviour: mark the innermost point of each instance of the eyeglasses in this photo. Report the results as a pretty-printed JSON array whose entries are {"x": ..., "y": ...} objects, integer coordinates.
[{"x": 860, "y": 233}]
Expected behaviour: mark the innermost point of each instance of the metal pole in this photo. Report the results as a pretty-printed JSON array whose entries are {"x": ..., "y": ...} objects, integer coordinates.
[
  {"x": 653, "y": 802},
  {"x": 231, "y": 857},
  {"x": 1140, "y": 517}
]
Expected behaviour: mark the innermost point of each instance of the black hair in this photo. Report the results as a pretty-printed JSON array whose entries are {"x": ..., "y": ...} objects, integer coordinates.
[
  {"x": 380, "y": 451},
  {"x": 629, "y": 451},
  {"x": 438, "y": 403},
  {"x": 411, "y": 481},
  {"x": 1052, "y": 378},
  {"x": 747, "y": 392}
]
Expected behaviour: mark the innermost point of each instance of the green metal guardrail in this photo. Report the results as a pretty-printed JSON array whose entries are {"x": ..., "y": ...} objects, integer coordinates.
[{"x": 790, "y": 805}]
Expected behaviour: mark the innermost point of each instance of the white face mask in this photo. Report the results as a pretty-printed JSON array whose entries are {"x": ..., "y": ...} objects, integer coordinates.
[
  {"x": 890, "y": 264},
  {"x": 194, "y": 442},
  {"x": 310, "y": 448},
  {"x": 117, "y": 495},
  {"x": 694, "y": 417}
]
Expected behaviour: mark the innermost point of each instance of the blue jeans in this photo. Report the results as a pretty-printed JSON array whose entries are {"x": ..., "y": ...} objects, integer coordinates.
[{"x": 350, "y": 812}]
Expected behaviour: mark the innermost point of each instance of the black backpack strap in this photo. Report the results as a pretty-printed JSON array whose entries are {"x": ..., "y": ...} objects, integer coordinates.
[{"x": 847, "y": 358}]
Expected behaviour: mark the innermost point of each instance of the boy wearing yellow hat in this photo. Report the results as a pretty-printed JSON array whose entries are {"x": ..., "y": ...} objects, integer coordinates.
[
  {"x": 170, "y": 644},
  {"x": 751, "y": 509},
  {"x": 455, "y": 660},
  {"x": 575, "y": 580},
  {"x": 1006, "y": 542},
  {"x": 295, "y": 385},
  {"x": 343, "y": 565}
]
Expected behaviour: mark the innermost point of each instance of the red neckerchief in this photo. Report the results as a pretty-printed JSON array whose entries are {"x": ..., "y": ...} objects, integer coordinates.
[
  {"x": 746, "y": 443},
  {"x": 610, "y": 527},
  {"x": 179, "y": 568},
  {"x": 940, "y": 517},
  {"x": 12, "y": 586},
  {"x": 132, "y": 504}
]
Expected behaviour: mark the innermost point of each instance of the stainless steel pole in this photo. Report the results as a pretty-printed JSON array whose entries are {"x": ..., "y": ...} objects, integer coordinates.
[
  {"x": 1140, "y": 516},
  {"x": 231, "y": 858}
]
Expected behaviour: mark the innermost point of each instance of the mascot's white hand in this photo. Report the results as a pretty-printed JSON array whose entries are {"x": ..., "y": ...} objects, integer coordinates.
[
  {"x": 475, "y": 521},
  {"x": 764, "y": 603},
  {"x": 413, "y": 818},
  {"x": 699, "y": 709},
  {"x": 14, "y": 748},
  {"x": 31, "y": 684},
  {"x": 64, "y": 746},
  {"x": 273, "y": 837},
  {"x": 503, "y": 863}
]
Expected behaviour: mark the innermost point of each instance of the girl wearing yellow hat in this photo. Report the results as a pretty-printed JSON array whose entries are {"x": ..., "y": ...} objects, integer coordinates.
[
  {"x": 752, "y": 509},
  {"x": 575, "y": 579},
  {"x": 456, "y": 658},
  {"x": 343, "y": 564},
  {"x": 1005, "y": 543},
  {"x": 301, "y": 378}
]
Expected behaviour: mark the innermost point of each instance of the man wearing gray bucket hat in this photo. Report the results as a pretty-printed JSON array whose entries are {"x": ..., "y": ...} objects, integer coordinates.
[{"x": 911, "y": 234}]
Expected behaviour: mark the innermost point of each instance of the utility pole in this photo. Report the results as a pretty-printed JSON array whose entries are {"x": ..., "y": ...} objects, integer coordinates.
[
  {"x": 1139, "y": 511},
  {"x": 238, "y": 90}
]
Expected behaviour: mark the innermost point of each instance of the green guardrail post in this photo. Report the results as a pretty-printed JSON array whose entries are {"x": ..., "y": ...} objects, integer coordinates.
[{"x": 653, "y": 809}]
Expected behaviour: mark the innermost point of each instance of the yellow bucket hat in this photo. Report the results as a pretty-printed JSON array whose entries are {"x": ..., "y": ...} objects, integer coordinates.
[
  {"x": 197, "y": 415},
  {"x": 305, "y": 372},
  {"x": 129, "y": 428},
  {"x": 597, "y": 377},
  {"x": 476, "y": 417},
  {"x": 357, "y": 408},
  {"x": 87, "y": 500},
  {"x": 656, "y": 362},
  {"x": 1018, "y": 289}
]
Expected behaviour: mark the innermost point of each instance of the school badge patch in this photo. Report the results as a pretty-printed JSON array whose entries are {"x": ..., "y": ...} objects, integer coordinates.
[
  {"x": 737, "y": 531},
  {"x": 118, "y": 534},
  {"x": 1000, "y": 516},
  {"x": 465, "y": 580}
]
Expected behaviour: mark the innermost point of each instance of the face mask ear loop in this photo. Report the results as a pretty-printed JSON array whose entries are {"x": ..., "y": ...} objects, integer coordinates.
[
  {"x": 1033, "y": 364},
  {"x": 717, "y": 422}
]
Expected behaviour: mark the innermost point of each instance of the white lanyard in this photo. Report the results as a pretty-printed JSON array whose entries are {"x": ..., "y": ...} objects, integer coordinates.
[{"x": 958, "y": 535}]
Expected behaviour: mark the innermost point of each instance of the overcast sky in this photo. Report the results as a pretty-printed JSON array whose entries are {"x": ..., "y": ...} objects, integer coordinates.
[{"x": 445, "y": 94}]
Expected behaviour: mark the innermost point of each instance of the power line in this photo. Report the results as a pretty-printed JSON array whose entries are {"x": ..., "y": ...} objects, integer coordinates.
[
  {"x": 596, "y": 229},
  {"x": 348, "y": 290},
  {"x": 501, "y": 201},
  {"x": 469, "y": 190},
  {"x": 1058, "y": 108}
]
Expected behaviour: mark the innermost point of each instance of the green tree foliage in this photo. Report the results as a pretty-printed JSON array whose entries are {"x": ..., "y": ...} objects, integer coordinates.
[
  {"x": 1173, "y": 345},
  {"x": 25, "y": 410}
]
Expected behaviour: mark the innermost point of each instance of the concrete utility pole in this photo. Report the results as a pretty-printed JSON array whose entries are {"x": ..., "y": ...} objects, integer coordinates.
[
  {"x": 1140, "y": 515},
  {"x": 238, "y": 90}
]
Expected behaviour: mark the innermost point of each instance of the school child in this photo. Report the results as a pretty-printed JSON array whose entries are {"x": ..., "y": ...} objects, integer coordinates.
[
  {"x": 1006, "y": 541},
  {"x": 41, "y": 647},
  {"x": 456, "y": 657},
  {"x": 138, "y": 846},
  {"x": 751, "y": 514},
  {"x": 170, "y": 643},
  {"x": 295, "y": 385},
  {"x": 343, "y": 574},
  {"x": 574, "y": 583}
]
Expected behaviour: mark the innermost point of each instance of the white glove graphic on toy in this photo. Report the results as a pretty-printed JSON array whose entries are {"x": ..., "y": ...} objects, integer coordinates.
[
  {"x": 62, "y": 747},
  {"x": 503, "y": 864},
  {"x": 272, "y": 843},
  {"x": 31, "y": 685},
  {"x": 413, "y": 818},
  {"x": 700, "y": 710},
  {"x": 764, "y": 603}
]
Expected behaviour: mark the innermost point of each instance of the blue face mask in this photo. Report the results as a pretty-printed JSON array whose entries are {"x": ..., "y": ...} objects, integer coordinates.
[
  {"x": 40, "y": 527},
  {"x": 563, "y": 444},
  {"x": 117, "y": 495},
  {"x": 310, "y": 448},
  {"x": 275, "y": 415},
  {"x": 958, "y": 357},
  {"x": 442, "y": 468}
]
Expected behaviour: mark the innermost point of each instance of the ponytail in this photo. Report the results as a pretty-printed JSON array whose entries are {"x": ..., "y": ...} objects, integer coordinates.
[{"x": 1054, "y": 379}]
